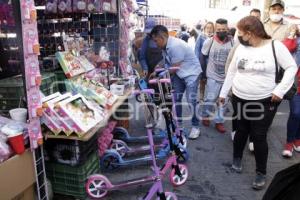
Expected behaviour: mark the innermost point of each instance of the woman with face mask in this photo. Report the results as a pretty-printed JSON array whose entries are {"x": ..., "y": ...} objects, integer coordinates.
[{"x": 256, "y": 96}]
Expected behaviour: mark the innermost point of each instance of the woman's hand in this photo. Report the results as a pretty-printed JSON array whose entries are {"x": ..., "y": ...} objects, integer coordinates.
[{"x": 275, "y": 98}]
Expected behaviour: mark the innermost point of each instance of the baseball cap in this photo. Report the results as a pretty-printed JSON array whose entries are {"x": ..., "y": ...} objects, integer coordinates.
[
  {"x": 277, "y": 2},
  {"x": 149, "y": 24}
]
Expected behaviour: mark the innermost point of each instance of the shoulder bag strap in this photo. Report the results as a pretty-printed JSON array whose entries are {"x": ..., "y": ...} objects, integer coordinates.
[{"x": 276, "y": 63}]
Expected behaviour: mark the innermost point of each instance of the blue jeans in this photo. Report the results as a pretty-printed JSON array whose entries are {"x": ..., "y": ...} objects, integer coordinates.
[
  {"x": 191, "y": 88},
  {"x": 212, "y": 91},
  {"x": 293, "y": 124}
]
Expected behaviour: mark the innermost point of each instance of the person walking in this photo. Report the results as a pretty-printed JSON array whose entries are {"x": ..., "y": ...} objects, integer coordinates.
[
  {"x": 183, "y": 34},
  {"x": 192, "y": 40},
  {"x": 216, "y": 49},
  {"x": 208, "y": 32},
  {"x": 256, "y": 96},
  {"x": 177, "y": 53},
  {"x": 275, "y": 25},
  {"x": 293, "y": 124},
  {"x": 255, "y": 13}
]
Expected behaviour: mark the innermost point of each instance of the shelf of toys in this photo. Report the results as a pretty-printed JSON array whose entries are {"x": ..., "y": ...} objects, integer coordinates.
[
  {"x": 75, "y": 74},
  {"x": 20, "y": 45},
  {"x": 88, "y": 44}
]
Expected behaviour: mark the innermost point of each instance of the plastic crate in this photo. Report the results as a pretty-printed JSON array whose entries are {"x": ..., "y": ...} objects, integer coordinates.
[
  {"x": 69, "y": 180},
  {"x": 49, "y": 85},
  {"x": 49, "y": 64},
  {"x": 70, "y": 152},
  {"x": 12, "y": 94},
  {"x": 61, "y": 81}
]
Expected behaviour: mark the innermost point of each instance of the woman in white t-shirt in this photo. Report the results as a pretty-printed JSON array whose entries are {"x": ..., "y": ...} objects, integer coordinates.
[{"x": 256, "y": 96}]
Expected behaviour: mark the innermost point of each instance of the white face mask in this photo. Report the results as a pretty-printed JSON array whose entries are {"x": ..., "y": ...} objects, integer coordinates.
[{"x": 276, "y": 17}]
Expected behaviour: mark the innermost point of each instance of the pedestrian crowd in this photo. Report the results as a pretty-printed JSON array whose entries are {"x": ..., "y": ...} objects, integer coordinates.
[{"x": 254, "y": 66}]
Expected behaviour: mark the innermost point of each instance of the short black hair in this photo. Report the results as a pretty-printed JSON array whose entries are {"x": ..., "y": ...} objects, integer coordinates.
[
  {"x": 198, "y": 26},
  {"x": 221, "y": 21},
  {"x": 255, "y": 10},
  {"x": 183, "y": 27},
  {"x": 158, "y": 29}
]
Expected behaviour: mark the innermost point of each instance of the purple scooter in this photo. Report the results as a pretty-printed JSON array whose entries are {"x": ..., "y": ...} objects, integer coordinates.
[
  {"x": 123, "y": 149},
  {"x": 98, "y": 185}
]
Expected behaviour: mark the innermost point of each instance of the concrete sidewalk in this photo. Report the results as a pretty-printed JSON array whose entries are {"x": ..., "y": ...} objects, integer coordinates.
[{"x": 209, "y": 166}]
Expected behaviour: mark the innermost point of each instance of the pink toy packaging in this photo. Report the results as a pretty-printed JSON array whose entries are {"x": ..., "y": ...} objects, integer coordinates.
[
  {"x": 64, "y": 6},
  {"x": 79, "y": 6},
  {"x": 79, "y": 114},
  {"x": 31, "y": 40},
  {"x": 33, "y": 72},
  {"x": 49, "y": 110},
  {"x": 51, "y": 6}
]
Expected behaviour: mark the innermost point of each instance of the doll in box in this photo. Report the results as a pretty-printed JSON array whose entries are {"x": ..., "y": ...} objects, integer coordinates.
[{"x": 80, "y": 114}]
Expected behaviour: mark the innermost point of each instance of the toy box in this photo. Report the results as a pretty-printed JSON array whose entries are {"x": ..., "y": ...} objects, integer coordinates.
[
  {"x": 79, "y": 114},
  {"x": 70, "y": 64},
  {"x": 93, "y": 90},
  {"x": 51, "y": 117}
]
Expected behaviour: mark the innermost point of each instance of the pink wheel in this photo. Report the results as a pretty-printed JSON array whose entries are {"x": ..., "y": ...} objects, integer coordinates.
[
  {"x": 96, "y": 187},
  {"x": 179, "y": 180}
]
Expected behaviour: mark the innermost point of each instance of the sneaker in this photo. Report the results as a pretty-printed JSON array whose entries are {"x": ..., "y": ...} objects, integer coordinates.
[
  {"x": 251, "y": 147},
  {"x": 288, "y": 150},
  {"x": 232, "y": 135},
  {"x": 194, "y": 134},
  {"x": 259, "y": 182},
  {"x": 237, "y": 165},
  {"x": 220, "y": 127},
  {"x": 297, "y": 145},
  {"x": 206, "y": 122}
]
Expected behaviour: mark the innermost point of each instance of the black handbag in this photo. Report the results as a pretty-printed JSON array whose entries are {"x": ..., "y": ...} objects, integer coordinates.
[{"x": 279, "y": 75}]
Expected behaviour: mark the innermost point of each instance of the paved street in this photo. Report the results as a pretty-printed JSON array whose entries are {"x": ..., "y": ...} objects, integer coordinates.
[{"x": 209, "y": 165}]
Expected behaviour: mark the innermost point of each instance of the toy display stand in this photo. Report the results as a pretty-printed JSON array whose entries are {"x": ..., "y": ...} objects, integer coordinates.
[
  {"x": 25, "y": 27},
  {"x": 96, "y": 128}
]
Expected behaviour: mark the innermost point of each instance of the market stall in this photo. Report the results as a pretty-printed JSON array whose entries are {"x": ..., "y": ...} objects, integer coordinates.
[{"x": 65, "y": 71}]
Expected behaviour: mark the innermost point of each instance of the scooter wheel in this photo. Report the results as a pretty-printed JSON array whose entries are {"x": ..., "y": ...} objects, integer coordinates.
[
  {"x": 120, "y": 147},
  {"x": 169, "y": 196},
  {"x": 121, "y": 133},
  {"x": 179, "y": 180},
  {"x": 183, "y": 156},
  {"x": 96, "y": 187},
  {"x": 138, "y": 98},
  {"x": 108, "y": 161}
]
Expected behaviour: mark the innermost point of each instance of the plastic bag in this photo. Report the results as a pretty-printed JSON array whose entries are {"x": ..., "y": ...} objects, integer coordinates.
[
  {"x": 5, "y": 151},
  {"x": 161, "y": 123}
]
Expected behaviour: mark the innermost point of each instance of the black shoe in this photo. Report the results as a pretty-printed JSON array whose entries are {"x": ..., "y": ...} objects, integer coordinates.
[
  {"x": 259, "y": 182},
  {"x": 237, "y": 165}
]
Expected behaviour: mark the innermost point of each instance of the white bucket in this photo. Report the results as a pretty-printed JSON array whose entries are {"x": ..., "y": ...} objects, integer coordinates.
[{"x": 18, "y": 114}]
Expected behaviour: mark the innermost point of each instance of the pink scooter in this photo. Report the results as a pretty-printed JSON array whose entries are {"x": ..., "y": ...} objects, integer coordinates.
[{"x": 98, "y": 185}]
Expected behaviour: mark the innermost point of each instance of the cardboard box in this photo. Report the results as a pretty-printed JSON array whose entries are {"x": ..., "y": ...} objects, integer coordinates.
[
  {"x": 16, "y": 175},
  {"x": 28, "y": 194}
]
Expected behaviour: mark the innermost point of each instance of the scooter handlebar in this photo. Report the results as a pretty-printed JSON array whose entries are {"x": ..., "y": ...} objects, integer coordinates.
[
  {"x": 144, "y": 91},
  {"x": 163, "y": 80}
]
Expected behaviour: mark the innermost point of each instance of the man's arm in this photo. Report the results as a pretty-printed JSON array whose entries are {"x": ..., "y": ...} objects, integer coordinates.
[{"x": 143, "y": 53}]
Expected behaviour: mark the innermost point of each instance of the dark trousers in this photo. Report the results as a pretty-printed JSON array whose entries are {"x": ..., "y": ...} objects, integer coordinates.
[
  {"x": 253, "y": 119},
  {"x": 293, "y": 124}
]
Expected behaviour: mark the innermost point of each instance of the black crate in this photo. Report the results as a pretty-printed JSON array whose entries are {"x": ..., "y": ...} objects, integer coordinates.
[{"x": 70, "y": 152}]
